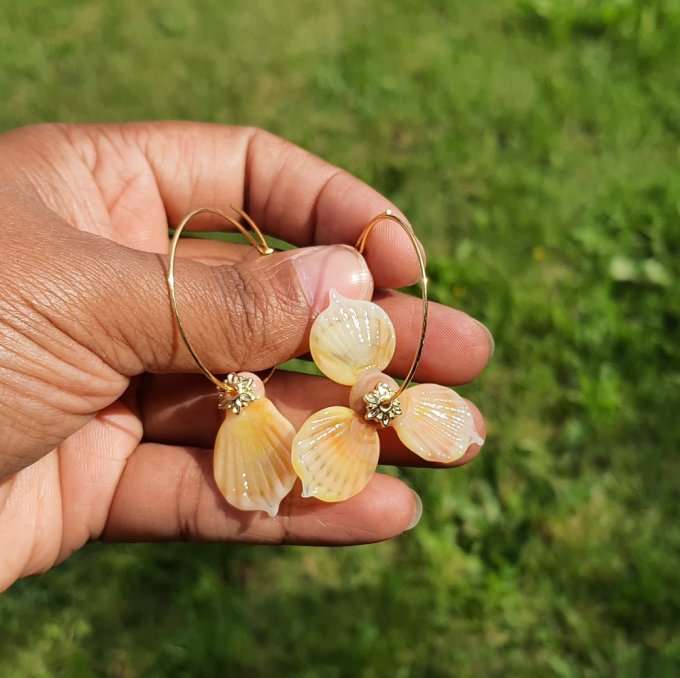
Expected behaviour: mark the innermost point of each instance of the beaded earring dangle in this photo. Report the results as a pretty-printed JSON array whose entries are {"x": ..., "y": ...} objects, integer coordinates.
[
  {"x": 251, "y": 462},
  {"x": 336, "y": 451}
]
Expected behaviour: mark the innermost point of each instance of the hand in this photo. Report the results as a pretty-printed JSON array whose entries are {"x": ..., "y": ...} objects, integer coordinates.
[{"x": 104, "y": 424}]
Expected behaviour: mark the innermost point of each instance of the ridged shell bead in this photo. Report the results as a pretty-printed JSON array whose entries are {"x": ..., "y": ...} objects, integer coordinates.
[{"x": 351, "y": 338}]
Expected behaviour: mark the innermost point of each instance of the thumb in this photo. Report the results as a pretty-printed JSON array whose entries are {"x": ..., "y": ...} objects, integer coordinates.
[
  {"x": 80, "y": 314},
  {"x": 251, "y": 315}
]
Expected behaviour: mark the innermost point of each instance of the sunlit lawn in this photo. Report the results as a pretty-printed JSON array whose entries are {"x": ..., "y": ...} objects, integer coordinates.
[{"x": 535, "y": 145}]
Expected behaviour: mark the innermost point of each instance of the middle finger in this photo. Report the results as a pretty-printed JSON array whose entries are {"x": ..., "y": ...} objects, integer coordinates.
[
  {"x": 457, "y": 347},
  {"x": 182, "y": 410}
]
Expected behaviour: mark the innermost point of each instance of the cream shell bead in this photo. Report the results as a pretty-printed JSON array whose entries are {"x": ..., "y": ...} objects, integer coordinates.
[
  {"x": 252, "y": 464},
  {"x": 351, "y": 337},
  {"x": 436, "y": 423},
  {"x": 335, "y": 453}
]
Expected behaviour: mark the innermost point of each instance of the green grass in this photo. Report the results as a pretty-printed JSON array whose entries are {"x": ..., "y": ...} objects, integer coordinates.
[{"x": 536, "y": 146}]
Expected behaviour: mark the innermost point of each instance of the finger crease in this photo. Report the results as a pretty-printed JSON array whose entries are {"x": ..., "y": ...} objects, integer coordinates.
[{"x": 313, "y": 219}]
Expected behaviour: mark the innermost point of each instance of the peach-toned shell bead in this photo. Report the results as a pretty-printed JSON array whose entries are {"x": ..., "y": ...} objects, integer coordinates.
[
  {"x": 252, "y": 458},
  {"x": 436, "y": 423},
  {"x": 351, "y": 337},
  {"x": 335, "y": 454}
]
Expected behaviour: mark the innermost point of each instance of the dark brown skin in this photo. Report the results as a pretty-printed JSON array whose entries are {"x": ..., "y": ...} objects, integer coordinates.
[{"x": 105, "y": 427}]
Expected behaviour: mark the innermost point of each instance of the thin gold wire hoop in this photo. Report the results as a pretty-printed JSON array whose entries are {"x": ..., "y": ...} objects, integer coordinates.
[
  {"x": 361, "y": 246},
  {"x": 257, "y": 241}
]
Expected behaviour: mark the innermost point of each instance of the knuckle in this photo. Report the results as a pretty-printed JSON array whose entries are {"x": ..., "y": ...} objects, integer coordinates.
[
  {"x": 190, "y": 490},
  {"x": 265, "y": 313},
  {"x": 244, "y": 299}
]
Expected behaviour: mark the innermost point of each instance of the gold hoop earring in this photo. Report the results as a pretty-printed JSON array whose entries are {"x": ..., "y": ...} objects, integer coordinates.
[
  {"x": 251, "y": 461},
  {"x": 336, "y": 451}
]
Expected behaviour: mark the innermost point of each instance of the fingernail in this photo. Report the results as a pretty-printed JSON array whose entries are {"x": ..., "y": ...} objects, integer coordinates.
[
  {"x": 417, "y": 510},
  {"x": 489, "y": 336},
  {"x": 338, "y": 267}
]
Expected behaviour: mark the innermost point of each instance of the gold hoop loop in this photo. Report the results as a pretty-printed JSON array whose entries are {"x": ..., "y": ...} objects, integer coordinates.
[
  {"x": 257, "y": 241},
  {"x": 361, "y": 246}
]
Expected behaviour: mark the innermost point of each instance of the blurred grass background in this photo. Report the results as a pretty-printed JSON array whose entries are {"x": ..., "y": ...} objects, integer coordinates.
[{"x": 535, "y": 145}]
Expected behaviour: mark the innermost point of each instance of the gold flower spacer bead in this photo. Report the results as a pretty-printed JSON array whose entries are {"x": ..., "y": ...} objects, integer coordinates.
[
  {"x": 380, "y": 407},
  {"x": 236, "y": 394}
]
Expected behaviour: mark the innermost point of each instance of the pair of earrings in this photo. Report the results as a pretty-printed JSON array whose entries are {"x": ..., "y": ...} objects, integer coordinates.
[{"x": 258, "y": 455}]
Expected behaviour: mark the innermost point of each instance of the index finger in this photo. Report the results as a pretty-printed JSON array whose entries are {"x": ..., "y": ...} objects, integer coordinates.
[{"x": 290, "y": 193}]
